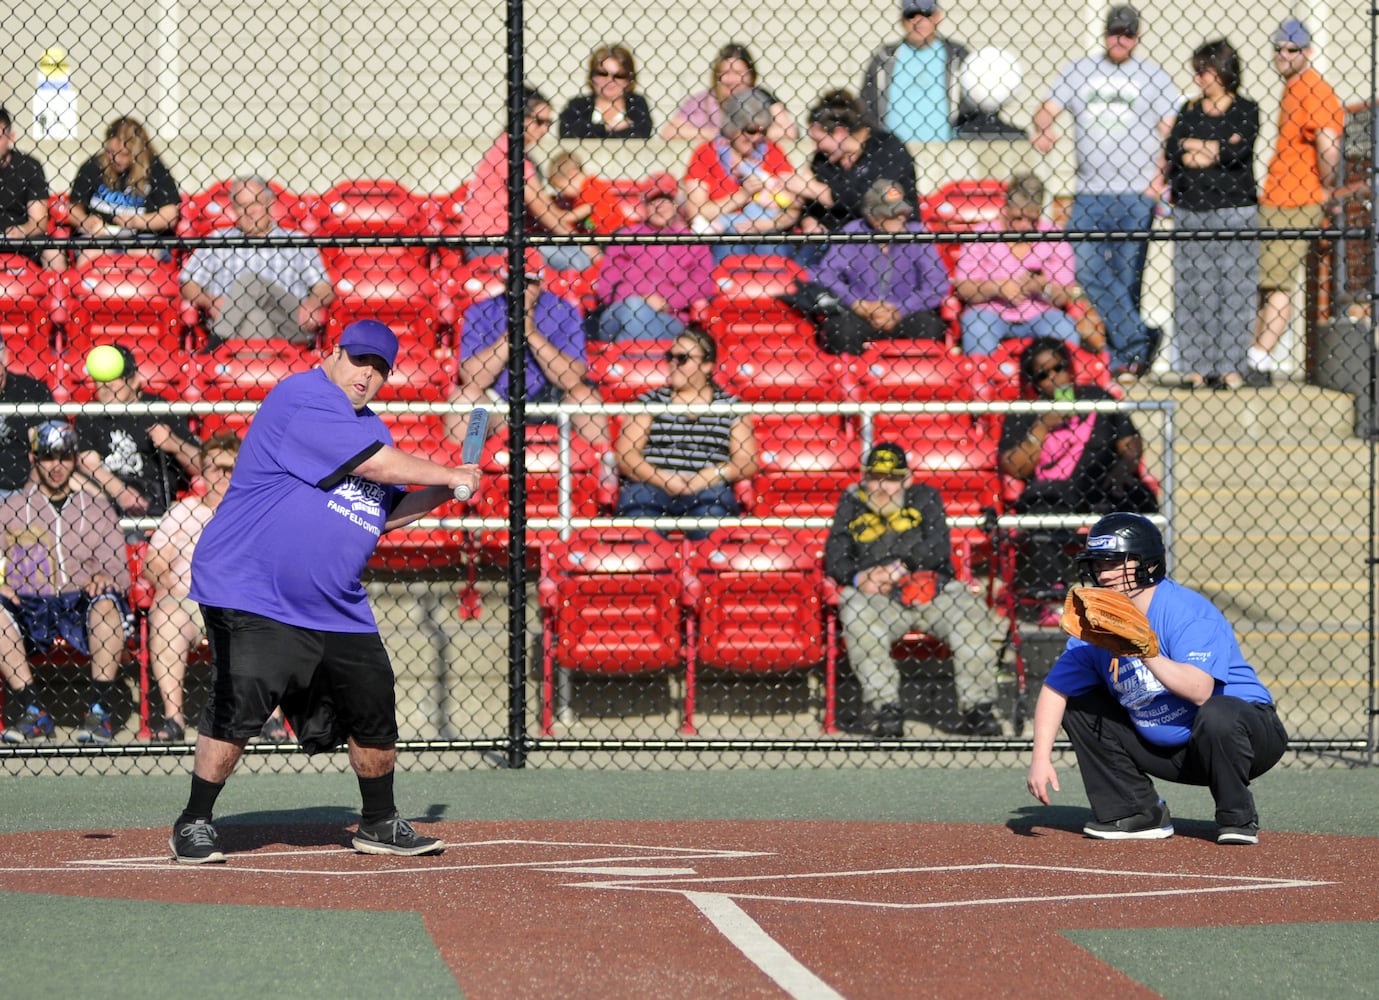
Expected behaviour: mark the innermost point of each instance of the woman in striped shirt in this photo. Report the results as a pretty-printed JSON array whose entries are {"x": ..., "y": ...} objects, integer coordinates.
[{"x": 684, "y": 464}]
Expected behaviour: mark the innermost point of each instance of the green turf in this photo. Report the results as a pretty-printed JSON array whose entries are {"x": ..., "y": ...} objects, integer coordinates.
[
  {"x": 57, "y": 946},
  {"x": 1303, "y": 961},
  {"x": 1333, "y": 801}
]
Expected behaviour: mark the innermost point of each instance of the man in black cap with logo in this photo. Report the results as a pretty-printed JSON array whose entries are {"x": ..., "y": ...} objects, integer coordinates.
[
  {"x": 890, "y": 551},
  {"x": 140, "y": 461}
]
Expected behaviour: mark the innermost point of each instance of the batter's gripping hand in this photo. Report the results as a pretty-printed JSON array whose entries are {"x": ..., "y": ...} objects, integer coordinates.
[{"x": 1110, "y": 620}]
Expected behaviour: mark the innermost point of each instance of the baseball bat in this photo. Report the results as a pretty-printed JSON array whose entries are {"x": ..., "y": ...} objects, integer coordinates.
[{"x": 476, "y": 432}]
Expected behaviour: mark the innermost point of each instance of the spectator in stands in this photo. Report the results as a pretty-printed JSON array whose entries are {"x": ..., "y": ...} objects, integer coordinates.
[
  {"x": 258, "y": 293},
  {"x": 849, "y": 157},
  {"x": 1209, "y": 161},
  {"x": 14, "y": 430},
  {"x": 140, "y": 461},
  {"x": 649, "y": 291},
  {"x": 699, "y": 118},
  {"x": 890, "y": 551},
  {"x": 685, "y": 464},
  {"x": 1122, "y": 110},
  {"x": 556, "y": 358},
  {"x": 910, "y": 87},
  {"x": 1016, "y": 289},
  {"x": 1304, "y": 172},
  {"x": 486, "y": 206},
  {"x": 612, "y": 109},
  {"x": 65, "y": 579},
  {"x": 1083, "y": 463},
  {"x": 589, "y": 199},
  {"x": 737, "y": 182},
  {"x": 124, "y": 189},
  {"x": 888, "y": 291},
  {"x": 24, "y": 198}
]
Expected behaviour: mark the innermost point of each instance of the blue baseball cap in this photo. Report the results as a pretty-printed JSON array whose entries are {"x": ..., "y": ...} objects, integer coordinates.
[
  {"x": 1293, "y": 32},
  {"x": 53, "y": 437},
  {"x": 369, "y": 336}
]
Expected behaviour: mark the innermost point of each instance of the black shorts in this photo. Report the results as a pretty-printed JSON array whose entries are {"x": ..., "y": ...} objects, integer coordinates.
[{"x": 331, "y": 685}]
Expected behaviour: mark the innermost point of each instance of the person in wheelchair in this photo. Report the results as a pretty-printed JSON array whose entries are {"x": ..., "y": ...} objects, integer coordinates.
[{"x": 1070, "y": 463}]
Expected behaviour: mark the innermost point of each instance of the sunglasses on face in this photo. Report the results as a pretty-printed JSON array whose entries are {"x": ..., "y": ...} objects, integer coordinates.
[
  {"x": 1045, "y": 374},
  {"x": 1127, "y": 35},
  {"x": 753, "y": 130},
  {"x": 543, "y": 122},
  {"x": 1286, "y": 50},
  {"x": 678, "y": 358},
  {"x": 603, "y": 74}
]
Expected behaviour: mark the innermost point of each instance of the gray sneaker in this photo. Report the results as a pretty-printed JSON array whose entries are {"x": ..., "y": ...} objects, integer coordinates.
[
  {"x": 195, "y": 843},
  {"x": 394, "y": 835},
  {"x": 1246, "y": 835},
  {"x": 1152, "y": 824}
]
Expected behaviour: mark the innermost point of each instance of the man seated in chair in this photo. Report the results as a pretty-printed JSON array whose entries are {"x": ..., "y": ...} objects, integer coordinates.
[
  {"x": 65, "y": 579},
  {"x": 258, "y": 292},
  {"x": 889, "y": 549}
]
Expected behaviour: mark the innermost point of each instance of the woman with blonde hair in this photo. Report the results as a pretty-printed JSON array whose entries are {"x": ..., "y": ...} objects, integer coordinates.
[
  {"x": 124, "y": 189},
  {"x": 612, "y": 108}
]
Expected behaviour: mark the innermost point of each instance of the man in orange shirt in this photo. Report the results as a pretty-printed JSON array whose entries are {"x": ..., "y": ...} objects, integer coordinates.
[{"x": 1304, "y": 171}]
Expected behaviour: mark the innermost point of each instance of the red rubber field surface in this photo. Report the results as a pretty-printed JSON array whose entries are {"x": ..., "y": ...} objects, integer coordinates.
[{"x": 744, "y": 909}]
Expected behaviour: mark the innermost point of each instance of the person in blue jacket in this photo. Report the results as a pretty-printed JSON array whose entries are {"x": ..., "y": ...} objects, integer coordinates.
[{"x": 1195, "y": 713}]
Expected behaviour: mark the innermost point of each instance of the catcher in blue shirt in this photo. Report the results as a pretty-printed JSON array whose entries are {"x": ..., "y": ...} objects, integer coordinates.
[{"x": 1195, "y": 712}]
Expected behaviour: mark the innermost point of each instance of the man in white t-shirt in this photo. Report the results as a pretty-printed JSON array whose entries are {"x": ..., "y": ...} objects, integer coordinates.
[{"x": 1122, "y": 109}]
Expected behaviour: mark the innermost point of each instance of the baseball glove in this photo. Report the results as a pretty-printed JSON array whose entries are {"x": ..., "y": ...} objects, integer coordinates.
[{"x": 1108, "y": 619}]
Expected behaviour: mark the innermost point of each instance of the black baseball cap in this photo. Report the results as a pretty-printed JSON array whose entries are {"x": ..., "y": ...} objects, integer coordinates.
[{"x": 888, "y": 460}]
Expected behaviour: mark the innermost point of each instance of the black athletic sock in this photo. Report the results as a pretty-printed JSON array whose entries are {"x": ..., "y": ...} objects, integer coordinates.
[
  {"x": 377, "y": 796},
  {"x": 101, "y": 693},
  {"x": 201, "y": 802}
]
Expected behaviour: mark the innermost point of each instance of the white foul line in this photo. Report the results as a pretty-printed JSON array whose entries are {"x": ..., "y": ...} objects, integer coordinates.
[{"x": 762, "y": 950}]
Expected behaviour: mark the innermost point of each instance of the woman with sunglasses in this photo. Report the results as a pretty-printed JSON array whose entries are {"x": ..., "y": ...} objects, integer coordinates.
[
  {"x": 1208, "y": 164},
  {"x": 612, "y": 109},
  {"x": 699, "y": 118},
  {"x": 685, "y": 464},
  {"x": 1070, "y": 463},
  {"x": 1018, "y": 289},
  {"x": 739, "y": 182}
]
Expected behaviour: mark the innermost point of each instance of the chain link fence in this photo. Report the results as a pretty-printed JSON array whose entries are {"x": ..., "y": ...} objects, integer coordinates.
[{"x": 754, "y": 245}]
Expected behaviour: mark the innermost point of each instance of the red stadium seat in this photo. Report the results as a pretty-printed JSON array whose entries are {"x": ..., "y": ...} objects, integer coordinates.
[
  {"x": 611, "y": 604},
  {"x": 805, "y": 462},
  {"x": 392, "y": 284},
  {"x": 757, "y": 600},
  {"x": 754, "y": 277},
  {"x": 375, "y": 208},
  {"x": 131, "y": 300},
  {"x": 26, "y": 304},
  {"x": 914, "y": 371},
  {"x": 772, "y": 368},
  {"x": 460, "y": 284},
  {"x": 627, "y": 369}
]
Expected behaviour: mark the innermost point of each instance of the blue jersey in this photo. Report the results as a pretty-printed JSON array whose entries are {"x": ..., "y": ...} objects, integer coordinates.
[
  {"x": 295, "y": 529},
  {"x": 1191, "y": 630}
]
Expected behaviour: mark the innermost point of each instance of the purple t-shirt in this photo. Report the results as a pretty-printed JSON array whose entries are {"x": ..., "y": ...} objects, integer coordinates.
[
  {"x": 557, "y": 320},
  {"x": 295, "y": 529}
]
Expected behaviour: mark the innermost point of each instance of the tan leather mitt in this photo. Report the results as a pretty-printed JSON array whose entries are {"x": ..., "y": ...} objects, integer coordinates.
[{"x": 1108, "y": 619}]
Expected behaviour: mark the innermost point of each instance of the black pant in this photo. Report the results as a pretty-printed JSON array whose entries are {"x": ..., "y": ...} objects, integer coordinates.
[
  {"x": 848, "y": 333},
  {"x": 1232, "y": 742}
]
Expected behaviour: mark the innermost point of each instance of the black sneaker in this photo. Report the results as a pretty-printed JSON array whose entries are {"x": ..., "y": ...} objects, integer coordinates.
[
  {"x": 1152, "y": 824},
  {"x": 1256, "y": 379},
  {"x": 394, "y": 835},
  {"x": 890, "y": 722},
  {"x": 980, "y": 720},
  {"x": 195, "y": 843},
  {"x": 1248, "y": 834}
]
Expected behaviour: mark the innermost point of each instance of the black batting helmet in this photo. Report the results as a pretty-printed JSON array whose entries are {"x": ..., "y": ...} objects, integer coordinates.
[{"x": 1124, "y": 536}]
